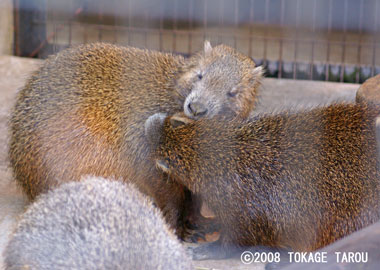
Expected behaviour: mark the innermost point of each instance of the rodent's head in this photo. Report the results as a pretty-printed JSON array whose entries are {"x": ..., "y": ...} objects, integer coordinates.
[
  {"x": 159, "y": 131},
  {"x": 219, "y": 81},
  {"x": 191, "y": 151}
]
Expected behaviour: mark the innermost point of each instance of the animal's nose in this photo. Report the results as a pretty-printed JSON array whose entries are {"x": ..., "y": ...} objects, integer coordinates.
[{"x": 197, "y": 108}]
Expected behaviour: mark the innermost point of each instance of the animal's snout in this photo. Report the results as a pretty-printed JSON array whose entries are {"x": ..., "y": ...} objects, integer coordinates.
[{"x": 197, "y": 108}]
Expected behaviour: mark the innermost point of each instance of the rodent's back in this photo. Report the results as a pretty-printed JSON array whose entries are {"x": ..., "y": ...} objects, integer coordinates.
[
  {"x": 94, "y": 224},
  {"x": 101, "y": 85},
  {"x": 302, "y": 134},
  {"x": 312, "y": 176},
  {"x": 81, "y": 113},
  {"x": 289, "y": 139}
]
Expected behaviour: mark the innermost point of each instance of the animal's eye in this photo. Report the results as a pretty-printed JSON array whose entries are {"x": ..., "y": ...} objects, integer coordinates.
[
  {"x": 232, "y": 93},
  {"x": 199, "y": 76}
]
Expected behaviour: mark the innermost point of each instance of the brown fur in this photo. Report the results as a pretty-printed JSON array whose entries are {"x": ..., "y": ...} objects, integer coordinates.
[
  {"x": 293, "y": 180},
  {"x": 83, "y": 113}
]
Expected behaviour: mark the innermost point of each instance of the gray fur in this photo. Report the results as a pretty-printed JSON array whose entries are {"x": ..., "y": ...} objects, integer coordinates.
[
  {"x": 94, "y": 224},
  {"x": 154, "y": 122}
]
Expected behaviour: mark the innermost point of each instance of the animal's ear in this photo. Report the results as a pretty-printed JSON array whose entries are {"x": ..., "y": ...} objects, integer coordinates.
[
  {"x": 179, "y": 119},
  {"x": 258, "y": 72},
  {"x": 257, "y": 75},
  {"x": 207, "y": 47},
  {"x": 154, "y": 127},
  {"x": 162, "y": 165},
  {"x": 377, "y": 121}
]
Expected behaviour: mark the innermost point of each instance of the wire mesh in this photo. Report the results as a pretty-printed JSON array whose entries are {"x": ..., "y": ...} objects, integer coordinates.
[{"x": 332, "y": 40}]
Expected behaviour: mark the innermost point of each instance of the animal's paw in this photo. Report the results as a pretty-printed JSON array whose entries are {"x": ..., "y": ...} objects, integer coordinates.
[
  {"x": 213, "y": 250},
  {"x": 200, "y": 229}
]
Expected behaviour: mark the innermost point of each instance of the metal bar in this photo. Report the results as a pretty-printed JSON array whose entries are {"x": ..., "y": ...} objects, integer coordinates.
[
  {"x": 312, "y": 43},
  {"x": 221, "y": 19},
  {"x": 280, "y": 62},
  {"x": 236, "y": 20},
  {"x": 55, "y": 31},
  {"x": 146, "y": 25},
  {"x": 100, "y": 19},
  {"x": 69, "y": 24},
  {"x": 191, "y": 6},
  {"x": 85, "y": 36},
  {"x": 29, "y": 36},
  {"x": 161, "y": 28},
  {"x": 115, "y": 32},
  {"x": 54, "y": 35},
  {"x": 328, "y": 43},
  {"x": 236, "y": 13},
  {"x": 204, "y": 19},
  {"x": 77, "y": 12},
  {"x": 16, "y": 20},
  {"x": 175, "y": 27},
  {"x": 129, "y": 22},
  {"x": 344, "y": 39},
  {"x": 70, "y": 33},
  {"x": 375, "y": 40},
  {"x": 357, "y": 77},
  {"x": 265, "y": 39},
  {"x": 296, "y": 42},
  {"x": 250, "y": 28}
]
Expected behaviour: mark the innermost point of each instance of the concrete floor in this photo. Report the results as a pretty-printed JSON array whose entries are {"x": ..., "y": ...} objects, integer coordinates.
[
  {"x": 275, "y": 95},
  {"x": 13, "y": 72}
]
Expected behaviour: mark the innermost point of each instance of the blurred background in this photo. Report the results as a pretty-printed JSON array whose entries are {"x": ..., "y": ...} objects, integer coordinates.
[{"x": 328, "y": 40}]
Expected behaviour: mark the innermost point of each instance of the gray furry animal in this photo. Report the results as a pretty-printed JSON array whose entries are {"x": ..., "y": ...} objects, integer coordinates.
[
  {"x": 83, "y": 113},
  {"x": 295, "y": 180},
  {"x": 94, "y": 224}
]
